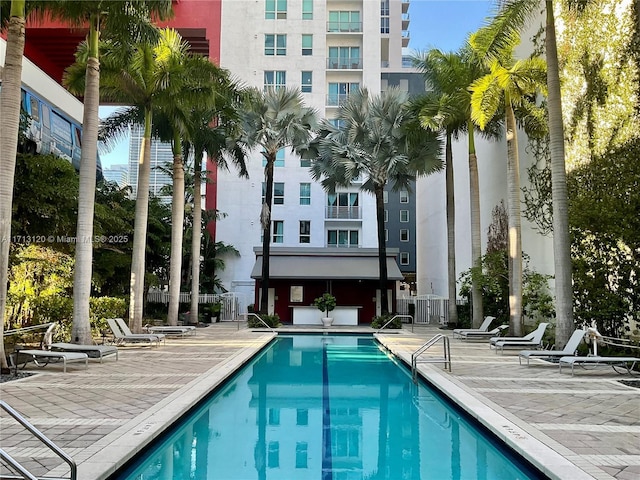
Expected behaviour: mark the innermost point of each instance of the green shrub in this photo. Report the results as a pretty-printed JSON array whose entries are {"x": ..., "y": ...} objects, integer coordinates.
[
  {"x": 101, "y": 308},
  {"x": 272, "y": 320},
  {"x": 381, "y": 320}
]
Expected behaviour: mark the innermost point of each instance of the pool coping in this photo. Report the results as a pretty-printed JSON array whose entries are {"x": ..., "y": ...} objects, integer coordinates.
[
  {"x": 542, "y": 452},
  {"x": 106, "y": 456}
]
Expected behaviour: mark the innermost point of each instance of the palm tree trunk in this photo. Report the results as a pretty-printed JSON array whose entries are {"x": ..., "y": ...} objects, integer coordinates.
[
  {"x": 196, "y": 236},
  {"x": 136, "y": 300},
  {"x": 81, "y": 327},
  {"x": 10, "y": 114},
  {"x": 382, "y": 249},
  {"x": 265, "y": 219},
  {"x": 559, "y": 196},
  {"x": 476, "y": 242},
  {"x": 515, "y": 225},
  {"x": 451, "y": 234},
  {"x": 177, "y": 226}
]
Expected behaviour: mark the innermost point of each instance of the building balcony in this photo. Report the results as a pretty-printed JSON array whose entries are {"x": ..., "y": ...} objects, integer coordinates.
[
  {"x": 336, "y": 99},
  {"x": 342, "y": 245},
  {"x": 334, "y": 63},
  {"x": 342, "y": 213},
  {"x": 344, "y": 27},
  {"x": 405, "y": 6}
]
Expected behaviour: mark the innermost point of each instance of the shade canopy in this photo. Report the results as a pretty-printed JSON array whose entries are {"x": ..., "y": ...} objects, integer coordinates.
[{"x": 325, "y": 264}]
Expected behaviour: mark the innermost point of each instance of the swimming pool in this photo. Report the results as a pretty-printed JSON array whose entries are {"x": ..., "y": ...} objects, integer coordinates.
[{"x": 325, "y": 408}]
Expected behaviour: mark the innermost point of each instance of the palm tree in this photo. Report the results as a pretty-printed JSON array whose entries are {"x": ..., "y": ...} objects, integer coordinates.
[
  {"x": 217, "y": 142},
  {"x": 127, "y": 22},
  {"x": 449, "y": 108},
  {"x": 204, "y": 87},
  {"x": 513, "y": 15},
  {"x": 274, "y": 119},
  {"x": 139, "y": 74},
  {"x": 381, "y": 142},
  {"x": 511, "y": 84}
]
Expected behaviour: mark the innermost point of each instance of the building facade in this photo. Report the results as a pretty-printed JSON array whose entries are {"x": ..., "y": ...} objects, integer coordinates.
[{"x": 327, "y": 48}]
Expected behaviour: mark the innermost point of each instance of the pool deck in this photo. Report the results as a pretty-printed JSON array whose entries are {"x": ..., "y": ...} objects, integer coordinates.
[{"x": 572, "y": 427}]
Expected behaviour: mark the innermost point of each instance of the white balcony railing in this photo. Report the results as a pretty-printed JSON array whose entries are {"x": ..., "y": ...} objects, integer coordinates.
[{"x": 347, "y": 213}]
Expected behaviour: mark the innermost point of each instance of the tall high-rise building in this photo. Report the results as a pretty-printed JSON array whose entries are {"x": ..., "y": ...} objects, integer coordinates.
[
  {"x": 328, "y": 49},
  {"x": 161, "y": 161}
]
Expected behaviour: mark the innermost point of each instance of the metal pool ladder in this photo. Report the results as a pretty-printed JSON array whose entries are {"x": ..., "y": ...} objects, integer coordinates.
[
  {"x": 24, "y": 473},
  {"x": 446, "y": 358}
]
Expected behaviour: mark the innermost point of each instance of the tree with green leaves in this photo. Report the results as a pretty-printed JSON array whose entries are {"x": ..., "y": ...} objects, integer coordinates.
[
  {"x": 272, "y": 120},
  {"x": 124, "y": 21},
  {"x": 510, "y": 84},
  {"x": 509, "y": 20},
  {"x": 13, "y": 19},
  {"x": 138, "y": 74},
  {"x": 382, "y": 142},
  {"x": 447, "y": 108}
]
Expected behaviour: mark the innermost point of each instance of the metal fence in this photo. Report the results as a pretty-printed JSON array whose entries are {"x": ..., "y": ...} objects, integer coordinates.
[
  {"x": 234, "y": 305},
  {"x": 427, "y": 309}
]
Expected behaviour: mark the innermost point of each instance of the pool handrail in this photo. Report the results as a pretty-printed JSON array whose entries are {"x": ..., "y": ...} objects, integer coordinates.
[
  {"x": 446, "y": 358},
  {"x": 261, "y": 321},
  {"x": 392, "y": 319},
  {"x": 73, "y": 474}
]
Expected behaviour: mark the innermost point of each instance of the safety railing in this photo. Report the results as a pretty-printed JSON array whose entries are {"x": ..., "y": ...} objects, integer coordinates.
[
  {"x": 261, "y": 320},
  {"x": 73, "y": 474},
  {"x": 446, "y": 355},
  {"x": 392, "y": 319}
]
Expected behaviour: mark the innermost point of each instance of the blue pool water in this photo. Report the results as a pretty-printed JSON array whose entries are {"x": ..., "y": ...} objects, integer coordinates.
[{"x": 325, "y": 408}]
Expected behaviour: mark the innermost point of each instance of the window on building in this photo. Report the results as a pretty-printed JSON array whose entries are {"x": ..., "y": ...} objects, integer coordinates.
[
  {"x": 344, "y": 21},
  {"x": 306, "y": 82},
  {"x": 305, "y": 231},
  {"x": 307, "y": 45},
  {"x": 342, "y": 238},
  {"x": 305, "y": 194},
  {"x": 275, "y": 9},
  {"x": 301, "y": 454},
  {"x": 273, "y": 455},
  {"x": 343, "y": 205},
  {"x": 384, "y": 16},
  {"x": 278, "y": 231},
  {"x": 275, "y": 79},
  {"x": 338, "y": 92},
  {"x": 344, "y": 58},
  {"x": 404, "y": 196},
  {"x": 337, "y": 122},
  {"x": 404, "y": 258},
  {"x": 404, "y": 235},
  {"x": 278, "y": 192},
  {"x": 386, "y": 216},
  {"x": 404, "y": 216},
  {"x": 307, "y": 9},
  {"x": 305, "y": 162},
  {"x": 275, "y": 44},
  {"x": 385, "y": 196}
]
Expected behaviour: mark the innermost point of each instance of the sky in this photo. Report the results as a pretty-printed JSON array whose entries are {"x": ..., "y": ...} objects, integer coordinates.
[{"x": 442, "y": 24}]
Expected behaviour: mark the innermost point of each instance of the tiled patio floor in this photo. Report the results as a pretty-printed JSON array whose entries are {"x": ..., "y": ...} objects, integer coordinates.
[{"x": 103, "y": 415}]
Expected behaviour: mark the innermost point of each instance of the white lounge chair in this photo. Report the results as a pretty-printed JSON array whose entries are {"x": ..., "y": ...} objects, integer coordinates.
[
  {"x": 125, "y": 329},
  {"x": 493, "y": 333},
  {"x": 534, "y": 340},
  {"x": 121, "y": 338},
  {"x": 483, "y": 328},
  {"x": 171, "y": 330},
  {"x": 44, "y": 357},
  {"x": 92, "y": 351},
  {"x": 568, "y": 350},
  {"x": 627, "y": 363}
]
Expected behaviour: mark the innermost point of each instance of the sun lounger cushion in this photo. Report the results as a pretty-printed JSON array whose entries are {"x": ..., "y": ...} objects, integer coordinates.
[
  {"x": 93, "y": 351},
  {"x": 44, "y": 357},
  {"x": 625, "y": 362}
]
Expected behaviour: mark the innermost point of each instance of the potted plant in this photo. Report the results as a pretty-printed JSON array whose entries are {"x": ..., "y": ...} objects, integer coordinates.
[{"x": 325, "y": 303}]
